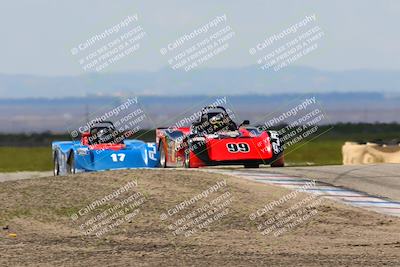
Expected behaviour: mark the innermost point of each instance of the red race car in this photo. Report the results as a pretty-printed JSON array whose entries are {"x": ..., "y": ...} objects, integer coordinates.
[{"x": 215, "y": 139}]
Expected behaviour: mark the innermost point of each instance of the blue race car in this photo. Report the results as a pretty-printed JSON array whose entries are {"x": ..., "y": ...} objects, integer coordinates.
[{"x": 102, "y": 148}]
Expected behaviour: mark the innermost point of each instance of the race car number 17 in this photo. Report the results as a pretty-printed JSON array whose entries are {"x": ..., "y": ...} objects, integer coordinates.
[{"x": 120, "y": 157}]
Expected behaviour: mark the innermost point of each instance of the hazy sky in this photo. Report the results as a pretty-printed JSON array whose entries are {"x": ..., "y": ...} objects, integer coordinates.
[{"x": 37, "y": 36}]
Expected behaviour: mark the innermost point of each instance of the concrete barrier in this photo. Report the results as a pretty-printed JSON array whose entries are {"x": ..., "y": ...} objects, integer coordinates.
[{"x": 369, "y": 153}]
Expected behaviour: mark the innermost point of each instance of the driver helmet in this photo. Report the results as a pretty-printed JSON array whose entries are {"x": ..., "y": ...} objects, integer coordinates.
[{"x": 217, "y": 121}]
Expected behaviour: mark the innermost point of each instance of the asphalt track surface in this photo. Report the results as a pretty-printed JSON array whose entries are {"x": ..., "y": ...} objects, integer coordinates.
[
  {"x": 13, "y": 176},
  {"x": 379, "y": 180},
  {"x": 372, "y": 187}
]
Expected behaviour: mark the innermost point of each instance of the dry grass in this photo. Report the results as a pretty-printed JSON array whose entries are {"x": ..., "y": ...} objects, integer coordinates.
[{"x": 39, "y": 211}]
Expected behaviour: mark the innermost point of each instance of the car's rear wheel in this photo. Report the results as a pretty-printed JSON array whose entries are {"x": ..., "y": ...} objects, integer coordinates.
[
  {"x": 56, "y": 165},
  {"x": 71, "y": 164},
  {"x": 163, "y": 157}
]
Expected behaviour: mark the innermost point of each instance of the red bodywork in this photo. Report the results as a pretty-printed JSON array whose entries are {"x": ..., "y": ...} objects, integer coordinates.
[
  {"x": 100, "y": 146},
  {"x": 242, "y": 149}
]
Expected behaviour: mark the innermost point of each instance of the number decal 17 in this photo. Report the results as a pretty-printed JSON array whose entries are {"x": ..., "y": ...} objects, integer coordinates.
[{"x": 118, "y": 157}]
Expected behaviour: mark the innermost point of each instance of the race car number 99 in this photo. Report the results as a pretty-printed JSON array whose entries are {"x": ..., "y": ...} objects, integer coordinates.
[{"x": 239, "y": 147}]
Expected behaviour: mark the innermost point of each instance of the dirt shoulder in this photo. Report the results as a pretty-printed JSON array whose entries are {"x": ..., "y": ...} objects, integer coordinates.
[{"x": 159, "y": 232}]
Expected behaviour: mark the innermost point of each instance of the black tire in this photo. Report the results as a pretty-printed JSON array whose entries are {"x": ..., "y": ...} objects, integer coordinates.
[
  {"x": 252, "y": 165},
  {"x": 278, "y": 161},
  {"x": 56, "y": 165},
  {"x": 186, "y": 163},
  {"x": 163, "y": 156},
  {"x": 71, "y": 163}
]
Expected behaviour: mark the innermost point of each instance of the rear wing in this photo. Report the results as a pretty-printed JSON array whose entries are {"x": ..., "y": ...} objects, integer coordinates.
[{"x": 170, "y": 132}]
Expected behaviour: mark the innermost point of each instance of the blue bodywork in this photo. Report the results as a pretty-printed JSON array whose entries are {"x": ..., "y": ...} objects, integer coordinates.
[{"x": 135, "y": 154}]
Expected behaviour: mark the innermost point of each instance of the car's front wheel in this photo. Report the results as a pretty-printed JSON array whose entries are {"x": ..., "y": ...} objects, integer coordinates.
[
  {"x": 71, "y": 164},
  {"x": 279, "y": 161},
  {"x": 163, "y": 157},
  {"x": 56, "y": 165},
  {"x": 187, "y": 158}
]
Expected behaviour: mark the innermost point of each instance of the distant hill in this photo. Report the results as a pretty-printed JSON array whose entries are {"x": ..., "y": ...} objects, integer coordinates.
[
  {"x": 247, "y": 80},
  {"x": 58, "y": 114}
]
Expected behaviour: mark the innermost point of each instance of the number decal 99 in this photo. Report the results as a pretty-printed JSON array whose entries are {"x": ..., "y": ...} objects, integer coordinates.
[{"x": 240, "y": 147}]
